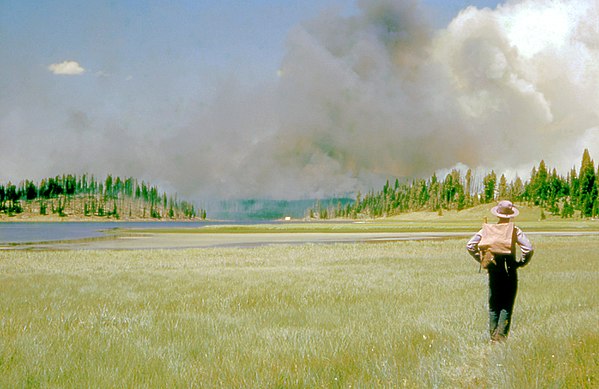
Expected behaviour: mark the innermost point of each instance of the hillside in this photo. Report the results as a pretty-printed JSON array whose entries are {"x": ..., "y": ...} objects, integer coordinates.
[
  {"x": 571, "y": 196},
  {"x": 69, "y": 197},
  {"x": 74, "y": 209}
]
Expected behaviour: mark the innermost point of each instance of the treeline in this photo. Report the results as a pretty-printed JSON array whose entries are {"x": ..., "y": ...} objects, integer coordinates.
[
  {"x": 574, "y": 194},
  {"x": 84, "y": 195}
]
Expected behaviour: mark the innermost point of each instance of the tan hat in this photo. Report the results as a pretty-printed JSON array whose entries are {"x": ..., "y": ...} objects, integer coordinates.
[{"x": 505, "y": 209}]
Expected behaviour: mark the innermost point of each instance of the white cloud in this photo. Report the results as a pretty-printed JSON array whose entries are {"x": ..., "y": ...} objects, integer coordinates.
[{"x": 68, "y": 68}]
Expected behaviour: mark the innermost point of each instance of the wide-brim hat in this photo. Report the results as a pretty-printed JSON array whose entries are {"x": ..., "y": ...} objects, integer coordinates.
[{"x": 505, "y": 209}]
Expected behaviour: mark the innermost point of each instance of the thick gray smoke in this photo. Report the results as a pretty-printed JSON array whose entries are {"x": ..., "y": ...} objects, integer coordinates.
[
  {"x": 379, "y": 94},
  {"x": 373, "y": 95}
]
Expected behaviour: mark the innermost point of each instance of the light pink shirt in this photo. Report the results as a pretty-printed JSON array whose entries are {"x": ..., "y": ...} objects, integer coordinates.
[{"x": 524, "y": 243}]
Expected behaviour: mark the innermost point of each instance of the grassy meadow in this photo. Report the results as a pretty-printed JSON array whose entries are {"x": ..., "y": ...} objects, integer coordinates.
[
  {"x": 396, "y": 314},
  {"x": 467, "y": 220}
]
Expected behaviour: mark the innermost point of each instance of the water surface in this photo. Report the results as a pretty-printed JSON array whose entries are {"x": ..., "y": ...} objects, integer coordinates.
[{"x": 35, "y": 232}]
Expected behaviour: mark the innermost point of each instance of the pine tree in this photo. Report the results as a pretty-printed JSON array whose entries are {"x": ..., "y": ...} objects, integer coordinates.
[
  {"x": 541, "y": 184},
  {"x": 489, "y": 182},
  {"x": 108, "y": 186},
  {"x": 503, "y": 192},
  {"x": 588, "y": 185},
  {"x": 516, "y": 190},
  {"x": 567, "y": 210},
  {"x": 574, "y": 186},
  {"x": 468, "y": 189},
  {"x": 31, "y": 190}
]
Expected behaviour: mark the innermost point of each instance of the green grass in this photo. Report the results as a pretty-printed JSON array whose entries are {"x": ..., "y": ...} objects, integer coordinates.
[
  {"x": 402, "y": 314},
  {"x": 454, "y": 221}
]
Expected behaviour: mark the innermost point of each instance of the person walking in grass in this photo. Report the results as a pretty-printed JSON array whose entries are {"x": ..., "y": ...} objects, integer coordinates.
[{"x": 494, "y": 247}]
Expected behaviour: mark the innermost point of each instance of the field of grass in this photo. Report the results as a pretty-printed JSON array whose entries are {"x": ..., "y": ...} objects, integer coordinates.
[{"x": 402, "y": 314}]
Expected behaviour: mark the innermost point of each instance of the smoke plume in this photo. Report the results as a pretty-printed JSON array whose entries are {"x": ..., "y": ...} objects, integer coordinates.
[
  {"x": 372, "y": 95},
  {"x": 380, "y": 94}
]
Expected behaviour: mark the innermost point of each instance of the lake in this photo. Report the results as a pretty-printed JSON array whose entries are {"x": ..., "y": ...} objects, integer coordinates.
[{"x": 32, "y": 232}]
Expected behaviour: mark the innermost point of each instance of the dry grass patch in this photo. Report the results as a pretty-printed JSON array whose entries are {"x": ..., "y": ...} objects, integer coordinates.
[{"x": 403, "y": 314}]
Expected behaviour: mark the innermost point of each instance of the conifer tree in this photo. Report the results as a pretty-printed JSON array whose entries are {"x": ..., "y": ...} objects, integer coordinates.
[
  {"x": 516, "y": 189},
  {"x": 502, "y": 189},
  {"x": 588, "y": 185},
  {"x": 489, "y": 182},
  {"x": 31, "y": 190},
  {"x": 574, "y": 186},
  {"x": 468, "y": 187}
]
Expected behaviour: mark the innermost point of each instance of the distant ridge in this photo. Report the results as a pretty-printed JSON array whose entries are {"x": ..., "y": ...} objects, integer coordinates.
[
  {"x": 84, "y": 197},
  {"x": 575, "y": 195}
]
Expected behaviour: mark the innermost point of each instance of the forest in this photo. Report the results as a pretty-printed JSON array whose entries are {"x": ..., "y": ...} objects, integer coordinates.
[
  {"x": 575, "y": 195},
  {"x": 113, "y": 197}
]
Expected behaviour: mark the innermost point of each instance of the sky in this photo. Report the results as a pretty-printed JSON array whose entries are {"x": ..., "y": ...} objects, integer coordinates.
[{"x": 295, "y": 99}]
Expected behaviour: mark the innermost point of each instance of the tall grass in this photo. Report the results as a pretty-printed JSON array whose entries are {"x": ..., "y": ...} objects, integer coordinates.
[{"x": 402, "y": 314}]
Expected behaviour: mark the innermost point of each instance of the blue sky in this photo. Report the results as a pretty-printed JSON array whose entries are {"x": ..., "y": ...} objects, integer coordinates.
[
  {"x": 135, "y": 87},
  {"x": 194, "y": 41}
]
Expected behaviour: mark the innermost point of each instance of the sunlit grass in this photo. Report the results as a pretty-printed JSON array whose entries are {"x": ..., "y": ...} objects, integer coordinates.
[
  {"x": 403, "y": 314},
  {"x": 446, "y": 221},
  {"x": 416, "y": 224}
]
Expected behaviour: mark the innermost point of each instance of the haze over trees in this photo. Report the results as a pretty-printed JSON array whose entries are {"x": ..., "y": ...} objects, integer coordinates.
[
  {"x": 576, "y": 194},
  {"x": 573, "y": 195},
  {"x": 113, "y": 197}
]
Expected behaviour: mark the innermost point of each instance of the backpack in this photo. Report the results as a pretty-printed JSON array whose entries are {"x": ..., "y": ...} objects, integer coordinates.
[{"x": 496, "y": 239}]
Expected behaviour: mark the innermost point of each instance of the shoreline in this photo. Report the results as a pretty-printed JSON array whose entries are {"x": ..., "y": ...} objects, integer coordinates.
[
  {"x": 91, "y": 219},
  {"x": 181, "y": 240}
]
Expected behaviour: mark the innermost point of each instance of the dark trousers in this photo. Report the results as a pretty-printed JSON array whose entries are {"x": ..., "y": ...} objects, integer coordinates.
[{"x": 503, "y": 286}]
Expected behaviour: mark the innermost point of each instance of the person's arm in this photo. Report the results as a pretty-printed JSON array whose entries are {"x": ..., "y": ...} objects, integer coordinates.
[
  {"x": 525, "y": 247},
  {"x": 472, "y": 246}
]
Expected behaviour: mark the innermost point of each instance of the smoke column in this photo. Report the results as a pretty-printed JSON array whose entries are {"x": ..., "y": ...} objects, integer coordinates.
[
  {"x": 372, "y": 95},
  {"x": 379, "y": 94}
]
